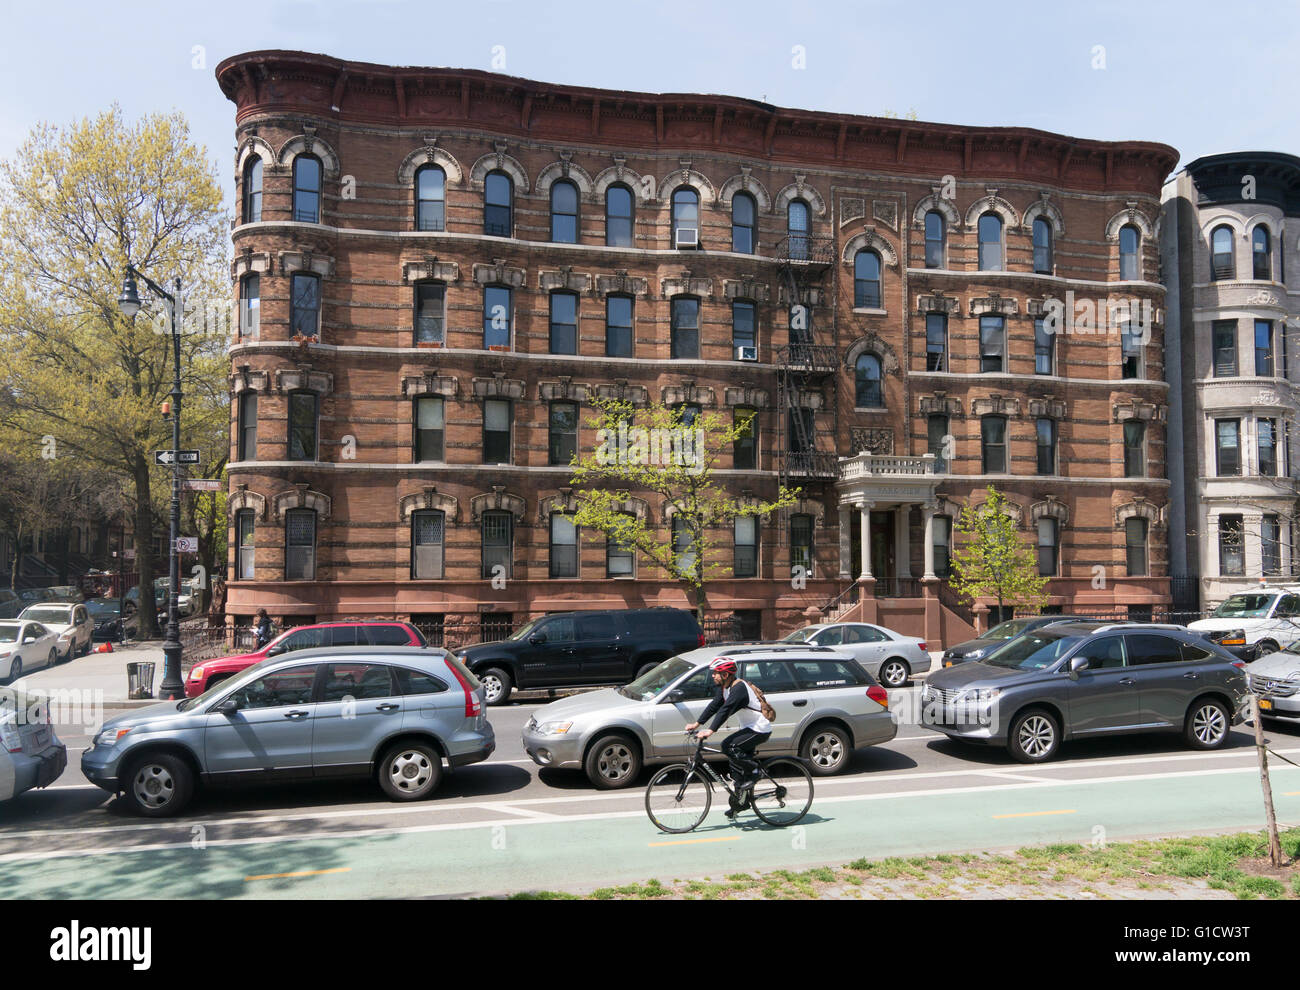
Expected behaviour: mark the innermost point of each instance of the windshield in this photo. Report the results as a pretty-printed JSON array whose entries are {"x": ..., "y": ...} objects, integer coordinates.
[
  {"x": 804, "y": 635},
  {"x": 1244, "y": 607},
  {"x": 49, "y": 615},
  {"x": 1007, "y": 630},
  {"x": 8, "y": 632},
  {"x": 1032, "y": 651},
  {"x": 102, "y": 607},
  {"x": 523, "y": 632},
  {"x": 653, "y": 682}
]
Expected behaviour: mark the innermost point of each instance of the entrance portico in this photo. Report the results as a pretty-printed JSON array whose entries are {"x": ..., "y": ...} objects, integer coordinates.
[{"x": 881, "y": 489}]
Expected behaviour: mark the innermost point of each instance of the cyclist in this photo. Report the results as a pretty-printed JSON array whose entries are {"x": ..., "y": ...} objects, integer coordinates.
[{"x": 735, "y": 697}]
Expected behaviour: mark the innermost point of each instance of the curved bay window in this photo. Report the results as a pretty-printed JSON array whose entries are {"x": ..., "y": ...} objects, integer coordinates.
[
  {"x": 1261, "y": 253},
  {"x": 248, "y": 426},
  {"x": 1042, "y": 247},
  {"x": 1222, "y": 265},
  {"x": 869, "y": 392},
  {"x": 300, "y": 545},
  {"x": 619, "y": 217},
  {"x": 1130, "y": 244},
  {"x": 564, "y": 323},
  {"x": 990, "y": 243},
  {"x": 427, "y": 540},
  {"x": 252, "y": 190},
  {"x": 564, "y": 213},
  {"x": 498, "y": 204},
  {"x": 430, "y": 307},
  {"x": 934, "y": 239},
  {"x": 993, "y": 437},
  {"x": 685, "y": 328},
  {"x": 306, "y": 189},
  {"x": 430, "y": 198},
  {"x": 686, "y": 218},
  {"x": 866, "y": 280},
  {"x": 1135, "y": 431},
  {"x": 303, "y": 419},
  {"x": 429, "y": 428},
  {"x": 244, "y": 545},
  {"x": 496, "y": 317},
  {"x": 797, "y": 217},
  {"x": 250, "y": 305},
  {"x": 304, "y": 316},
  {"x": 743, "y": 223},
  {"x": 563, "y": 432},
  {"x": 618, "y": 326}
]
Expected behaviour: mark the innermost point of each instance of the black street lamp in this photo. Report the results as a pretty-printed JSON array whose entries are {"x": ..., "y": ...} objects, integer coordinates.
[{"x": 173, "y": 686}]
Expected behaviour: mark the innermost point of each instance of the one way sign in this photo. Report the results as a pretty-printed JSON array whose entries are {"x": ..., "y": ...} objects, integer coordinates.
[{"x": 183, "y": 456}]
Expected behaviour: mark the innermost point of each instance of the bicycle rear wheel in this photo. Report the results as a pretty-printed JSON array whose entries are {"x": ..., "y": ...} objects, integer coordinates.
[
  {"x": 784, "y": 794},
  {"x": 677, "y": 798}
]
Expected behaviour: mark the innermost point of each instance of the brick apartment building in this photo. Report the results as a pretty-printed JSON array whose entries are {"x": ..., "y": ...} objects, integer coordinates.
[{"x": 438, "y": 268}]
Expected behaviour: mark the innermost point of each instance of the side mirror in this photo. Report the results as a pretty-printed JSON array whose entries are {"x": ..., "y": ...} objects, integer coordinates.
[
  {"x": 275, "y": 651},
  {"x": 29, "y": 639},
  {"x": 227, "y": 707},
  {"x": 1077, "y": 664},
  {"x": 537, "y": 639},
  {"x": 672, "y": 697}
]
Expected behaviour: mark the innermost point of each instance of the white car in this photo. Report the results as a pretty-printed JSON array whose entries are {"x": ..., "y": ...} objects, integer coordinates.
[
  {"x": 71, "y": 623},
  {"x": 24, "y": 645},
  {"x": 1270, "y": 618},
  {"x": 888, "y": 656}
]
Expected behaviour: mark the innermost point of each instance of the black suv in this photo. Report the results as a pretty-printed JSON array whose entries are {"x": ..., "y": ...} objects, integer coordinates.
[{"x": 582, "y": 649}]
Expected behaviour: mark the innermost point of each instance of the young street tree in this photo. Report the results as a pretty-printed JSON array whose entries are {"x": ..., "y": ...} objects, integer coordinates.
[
  {"x": 655, "y": 450},
  {"x": 76, "y": 205},
  {"x": 993, "y": 561}
]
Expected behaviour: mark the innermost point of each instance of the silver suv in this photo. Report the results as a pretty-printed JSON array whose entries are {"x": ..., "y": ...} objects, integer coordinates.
[
  {"x": 393, "y": 714},
  {"x": 826, "y": 706},
  {"x": 1076, "y": 680}
]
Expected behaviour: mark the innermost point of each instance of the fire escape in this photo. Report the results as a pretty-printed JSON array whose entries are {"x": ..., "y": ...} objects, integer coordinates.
[{"x": 806, "y": 367}]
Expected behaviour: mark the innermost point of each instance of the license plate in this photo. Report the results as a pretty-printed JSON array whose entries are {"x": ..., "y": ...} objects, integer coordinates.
[
  {"x": 42, "y": 737},
  {"x": 1265, "y": 705}
]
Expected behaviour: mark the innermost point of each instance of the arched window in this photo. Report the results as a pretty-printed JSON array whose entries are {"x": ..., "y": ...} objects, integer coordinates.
[
  {"x": 866, "y": 280},
  {"x": 498, "y": 204},
  {"x": 743, "y": 213},
  {"x": 430, "y": 198},
  {"x": 1262, "y": 253},
  {"x": 990, "y": 238},
  {"x": 1042, "y": 247},
  {"x": 564, "y": 213},
  {"x": 618, "y": 217},
  {"x": 1221, "y": 261},
  {"x": 869, "y": 393},
  {"x": 934, "y": 239},
  {"x": 1048, "y": 549},
  {"x": 427, "y": 537},
  {"x": 300, "y": 545},
  {"x": 1130, "y": 243},
  {"x": 686, "y": 218},
  {"x": 253, "y": 190},
  {"x": 797, "y": 228},
  {"x": 306, "y": 189}
]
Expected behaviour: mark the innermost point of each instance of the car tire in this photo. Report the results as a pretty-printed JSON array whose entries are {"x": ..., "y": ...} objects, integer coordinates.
[
  {"x": 1264, "y": 647},
  {"x": 894, "y": 672},
  {"x": 826, "y": 749},
  {"x": 53, "y": 659},
  {"x": 158, "y": 786},
  {"x": 15, "y": 669},
  {"x": 410, "y": 771},
  {"x": 613, "y": 761},
  {"x": 1207, "y": 724},
  {"x": 1034, "y": 737},
  {"x": 496, "y": 685}
]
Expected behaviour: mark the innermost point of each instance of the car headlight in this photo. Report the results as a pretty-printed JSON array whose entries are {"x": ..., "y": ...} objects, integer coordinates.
[
  {"x": 109, "y": 737},
  {"x": 554, "y": 728},
  {"x": 976, "y": 654},
  {"x": 197, "y": 673},
  {"x": 978, "y": 695},
  {"x": 927, "y": 693}
]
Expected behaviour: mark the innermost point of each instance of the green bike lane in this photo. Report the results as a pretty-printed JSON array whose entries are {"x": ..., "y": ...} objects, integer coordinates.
[{"x": 528, "y": 849}]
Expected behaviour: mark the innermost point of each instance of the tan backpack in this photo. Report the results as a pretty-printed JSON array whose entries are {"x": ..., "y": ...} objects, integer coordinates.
[{"x": 767, "y": 710}]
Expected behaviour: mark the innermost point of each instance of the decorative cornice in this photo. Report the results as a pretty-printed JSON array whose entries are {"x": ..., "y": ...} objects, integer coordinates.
[
  {"x": 429, "y": 382},
  {"x": 565, "y": 278},
  {"x": 995, "y": 405},
  {"x": 303, "y": 378},
  {"x": 305, "y": 260},
  {"x": 623, "y": 284},
  {"x": 498, "y": 500},
  {"x": 430, "y": 268},
  {"x": 1137, "y": 409},
  {"x": 499, "y": 273},
  {"x": 428, "y": 499},
  {"x": 498, "y": 387},
  {"x": 752, "y": 398},
  {"x": 302, "y": 497},
  {"x": 565, "y": 388}
]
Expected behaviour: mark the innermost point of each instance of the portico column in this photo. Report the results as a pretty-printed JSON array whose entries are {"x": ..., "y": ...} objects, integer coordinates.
[
  {"x": 865, "y": 509},
  {"x": 928, "y": 509},
  {"x": 903, "y": 558},
  {"x": 1286, "y": 532},
  {"x": 846, "y": 542}
]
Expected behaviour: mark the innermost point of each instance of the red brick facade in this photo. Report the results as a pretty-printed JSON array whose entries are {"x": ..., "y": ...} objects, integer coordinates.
[{"x": 868, "y": 184}]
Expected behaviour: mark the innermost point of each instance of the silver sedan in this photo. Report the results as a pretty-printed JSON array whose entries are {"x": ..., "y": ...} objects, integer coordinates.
[
  {"x": 24, "y": 645},
  {"x": 890, "y": 657}
]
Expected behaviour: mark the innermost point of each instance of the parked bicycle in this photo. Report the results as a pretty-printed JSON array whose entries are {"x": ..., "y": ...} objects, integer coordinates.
[{"x": 678, "y": 797}]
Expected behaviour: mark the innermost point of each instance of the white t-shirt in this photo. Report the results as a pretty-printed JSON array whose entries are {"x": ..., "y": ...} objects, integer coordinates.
[{"x": 751, "y": 716}]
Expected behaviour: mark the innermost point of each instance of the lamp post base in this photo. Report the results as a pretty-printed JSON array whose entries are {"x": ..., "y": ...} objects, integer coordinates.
[{"x": 173, "y": 685}]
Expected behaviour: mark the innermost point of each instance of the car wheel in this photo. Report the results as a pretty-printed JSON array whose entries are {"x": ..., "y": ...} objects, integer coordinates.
[
  {"x": 1034, "y": 737},
  {"x": 159, "y": 786},
  {"x": 1207, "y": 724},
  {"x": 410, "y": 771},
  {"x": 496, "y": 685},
  {"x": 826, "y": 749},
  {"x": 53, "y": 659},
  {"x": 613, "y": 761},
  {"x": 1265, "y": 647},
  {"x": 894, "y": 672},
  {"x": 15, "y": 669}
]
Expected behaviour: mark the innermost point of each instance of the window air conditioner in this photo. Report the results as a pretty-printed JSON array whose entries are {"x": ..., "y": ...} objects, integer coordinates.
[
  {"x": 688, "y": 237},
  {"x": 746, "y": 353}
]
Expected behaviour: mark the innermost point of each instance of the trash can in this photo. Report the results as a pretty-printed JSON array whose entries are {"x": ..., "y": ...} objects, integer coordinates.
[{"x": 139, "y": 679}]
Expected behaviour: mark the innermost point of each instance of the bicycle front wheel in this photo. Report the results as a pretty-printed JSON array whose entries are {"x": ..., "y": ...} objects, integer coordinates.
[
  {"x": 677, "y": 798},
  {"x": 783, "y": 793}
]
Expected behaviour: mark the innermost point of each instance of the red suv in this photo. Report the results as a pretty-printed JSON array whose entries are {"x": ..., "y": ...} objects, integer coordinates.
[{"x": 210, "y": 672}]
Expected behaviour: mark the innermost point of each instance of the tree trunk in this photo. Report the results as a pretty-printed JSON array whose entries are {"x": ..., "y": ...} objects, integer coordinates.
[
  {"x": 18, "y": 556},
  {"x": 144, "y": 552},
  {"x": 1270, "y": 816}
]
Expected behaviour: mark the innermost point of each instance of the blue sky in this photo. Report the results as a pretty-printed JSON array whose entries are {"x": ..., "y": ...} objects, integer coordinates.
[{"x": 1204, "y": 77}]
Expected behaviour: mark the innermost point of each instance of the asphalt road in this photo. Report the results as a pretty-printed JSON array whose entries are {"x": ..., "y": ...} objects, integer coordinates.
[{"x": 506, "y": 824}]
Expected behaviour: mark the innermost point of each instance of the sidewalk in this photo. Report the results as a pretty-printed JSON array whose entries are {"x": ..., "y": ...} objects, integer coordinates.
[{"x": 104, "y": 672}]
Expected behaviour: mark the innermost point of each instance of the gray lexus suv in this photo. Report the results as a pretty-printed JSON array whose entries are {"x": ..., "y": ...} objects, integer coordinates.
[
  {"x": 392, "y": 714},
  {"x": 1078, "y": 680}
]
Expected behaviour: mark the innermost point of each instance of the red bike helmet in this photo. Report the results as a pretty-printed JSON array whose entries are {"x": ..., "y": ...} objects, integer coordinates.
[{"x": 723, "y": 665}]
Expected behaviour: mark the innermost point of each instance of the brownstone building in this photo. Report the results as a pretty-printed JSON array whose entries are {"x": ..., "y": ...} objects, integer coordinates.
[{"x": 438, "y": 269}]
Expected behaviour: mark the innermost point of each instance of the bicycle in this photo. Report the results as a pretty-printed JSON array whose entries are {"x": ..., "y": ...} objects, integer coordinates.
[{"x": 678, "y": 797}]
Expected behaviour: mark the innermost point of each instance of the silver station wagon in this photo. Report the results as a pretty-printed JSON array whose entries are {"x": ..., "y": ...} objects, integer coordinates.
[
  {"x": 392, "y": 714},
  {"x": 826, "y": 705}
]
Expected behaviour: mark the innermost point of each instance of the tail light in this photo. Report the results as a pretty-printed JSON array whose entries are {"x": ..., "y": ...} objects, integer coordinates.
[
  {"x": 924, "y": 648},
  {"x": 879, "y": 695},
  {"x": 1239, "y": 664},
  {"x": 702, "y": 641},
  {"x": 472, "y": 707}
]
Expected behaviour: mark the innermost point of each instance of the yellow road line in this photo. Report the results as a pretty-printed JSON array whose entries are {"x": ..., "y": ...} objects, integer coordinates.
[
  {"x": 303, "y": 873},
  {"x": 687, "y": 842},
  {"x": 1290, "y": 793},
  {"x": 1035, "y": 814}
]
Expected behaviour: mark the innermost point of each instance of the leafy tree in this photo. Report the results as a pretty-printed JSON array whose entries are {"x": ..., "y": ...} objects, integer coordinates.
[
  {"x": 994, "y": 561},
  {"x": 652, "y": 451},
  {"x": 76, "y": 205}
]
